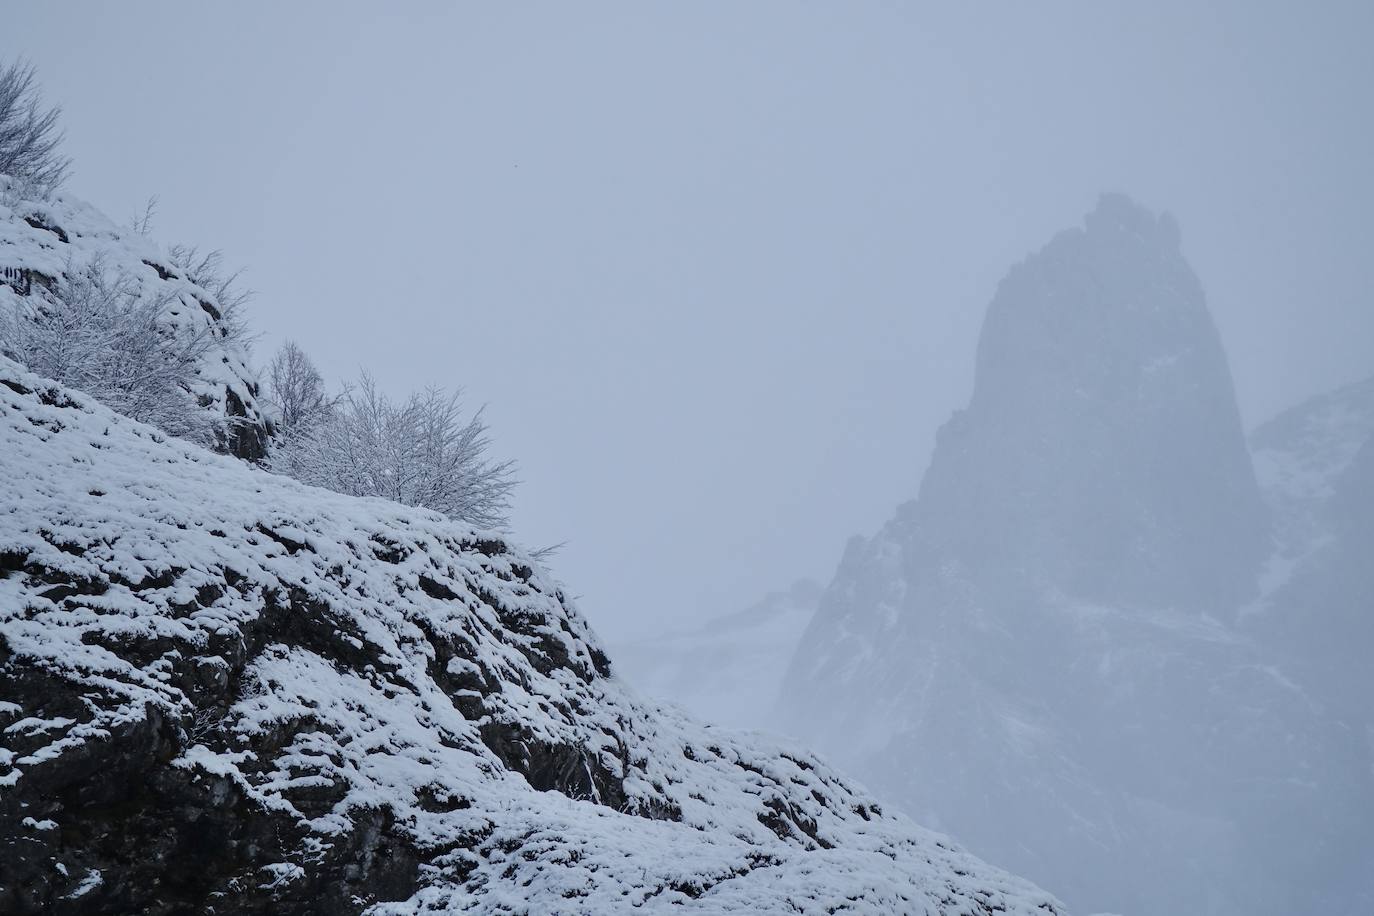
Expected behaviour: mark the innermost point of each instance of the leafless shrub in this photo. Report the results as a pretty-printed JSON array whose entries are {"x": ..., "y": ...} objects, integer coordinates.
[
  {"x": 420, "y": 452},
  {"x": 296, "y": 390},
  {"x": 96, "y": 331}
]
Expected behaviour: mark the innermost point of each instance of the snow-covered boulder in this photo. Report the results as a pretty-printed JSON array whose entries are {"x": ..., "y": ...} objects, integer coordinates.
[
  {"x": 44, "y": 239},
  {"x": 225, "y": 692}
]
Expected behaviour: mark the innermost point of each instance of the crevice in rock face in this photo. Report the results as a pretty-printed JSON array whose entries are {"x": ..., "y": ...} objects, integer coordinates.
[
  {"x": 787, "y": 822},
  {"x": 58, "y": 231},
  {"x": 162, "y": 272},
  {"x": 571, "y": 771},
  {"x": 293, "y": 547},
  {"x": 244, "y": 437},
  {"x": 11, "y": 562}
]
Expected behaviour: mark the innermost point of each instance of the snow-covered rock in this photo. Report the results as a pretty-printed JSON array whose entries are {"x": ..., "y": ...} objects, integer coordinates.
[
  {"x": 43, "y": 239},
  {"x": 1316, "y": 611},
  {"x": 1300, "y": 457},
  {"x": 225, "y": 692},
  {"x": 729, "y": 669},
  {"x": 1044, "y": 643}
]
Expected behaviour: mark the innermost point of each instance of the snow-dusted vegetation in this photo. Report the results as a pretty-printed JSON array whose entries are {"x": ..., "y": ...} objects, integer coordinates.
[{"x": 106, "y": 309}]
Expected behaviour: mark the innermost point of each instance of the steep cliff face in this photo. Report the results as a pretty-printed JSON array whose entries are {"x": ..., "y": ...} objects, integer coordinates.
[
  {"x": 44, "y": 240},
  {"x": 224, "y": 692},
  {"x": 1043, "y": 642},
  {"x": 1102, "y": 453}
]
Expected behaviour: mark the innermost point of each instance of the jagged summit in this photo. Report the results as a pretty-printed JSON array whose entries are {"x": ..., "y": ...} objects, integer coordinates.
[
  {"x": 225, "y": 692},
  {"x": 1102, "y": 451}
]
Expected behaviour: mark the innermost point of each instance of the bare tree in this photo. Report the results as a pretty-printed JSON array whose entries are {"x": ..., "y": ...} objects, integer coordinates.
[
  {"x": 98, "y": 332},
  {"x": 421, "y": 452},
  {"x": 142, "y": 223},
  {"x": 296, "y": 390},
  {"x": 29, "y": 132}
]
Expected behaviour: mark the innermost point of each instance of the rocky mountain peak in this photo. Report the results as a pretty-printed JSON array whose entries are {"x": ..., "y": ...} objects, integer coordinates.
[
  {"x": 1103, "y": 445},
  {"x": 1043, "y": 640}
]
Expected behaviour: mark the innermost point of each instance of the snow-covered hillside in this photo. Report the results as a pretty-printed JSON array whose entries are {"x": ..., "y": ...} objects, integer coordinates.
[
  {"x": 729, "y": 669},
  {"x": 224, "y": 692},
  {"x": 42, "y": 240}
]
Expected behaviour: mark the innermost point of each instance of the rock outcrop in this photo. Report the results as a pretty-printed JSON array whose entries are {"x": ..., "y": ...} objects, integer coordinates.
[
  {"x": 43, "y": 240},
  {"x": 1315, "y": 616},
  {"x": 225, "y": 692}
]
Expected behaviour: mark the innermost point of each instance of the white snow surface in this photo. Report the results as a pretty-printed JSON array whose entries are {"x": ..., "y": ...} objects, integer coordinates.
[{"x": 186, "y": 552}]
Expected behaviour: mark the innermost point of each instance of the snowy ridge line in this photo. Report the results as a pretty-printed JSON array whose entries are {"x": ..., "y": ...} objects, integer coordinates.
[{"x": 228, "y": 691}]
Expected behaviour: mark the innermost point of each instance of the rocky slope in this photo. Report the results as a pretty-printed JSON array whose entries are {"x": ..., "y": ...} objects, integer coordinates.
[
  {"x": 1315, "y": 616},
  {"x": 729, "y": 669},
  {"x": 1302, "y": 459},
  {"x": 42, "y": 240},
  {"x": 224, "y": 692},
  {"x": 1049, "y": 629}
]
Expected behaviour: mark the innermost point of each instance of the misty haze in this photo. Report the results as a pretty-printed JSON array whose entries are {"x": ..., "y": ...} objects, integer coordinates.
[{"x": 715, "y": 458}]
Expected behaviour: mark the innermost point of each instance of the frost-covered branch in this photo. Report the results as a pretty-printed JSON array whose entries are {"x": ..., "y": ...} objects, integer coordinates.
[
  {"x": 29, "y": 132},
  {"x": 207, "y": 270},
  {"x": 419, "y": 452}
]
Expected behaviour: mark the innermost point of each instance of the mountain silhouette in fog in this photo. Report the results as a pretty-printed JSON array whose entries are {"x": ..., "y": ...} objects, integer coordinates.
[{"x": 1040, "y": 653}]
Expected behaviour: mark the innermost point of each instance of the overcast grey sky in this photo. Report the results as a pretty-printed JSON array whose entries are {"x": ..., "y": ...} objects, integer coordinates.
[{"x": 718, "y": 269}]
